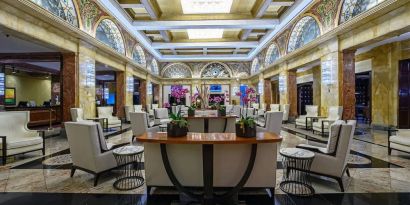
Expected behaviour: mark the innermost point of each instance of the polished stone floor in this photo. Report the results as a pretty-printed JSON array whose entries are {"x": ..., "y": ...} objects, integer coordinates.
[{"x": 376, "y": 177}]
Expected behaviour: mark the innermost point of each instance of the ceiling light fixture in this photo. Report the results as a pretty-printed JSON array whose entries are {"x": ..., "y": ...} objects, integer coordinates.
[
  {"x": 206, "y": 6},
  {"x": 205, "y": 33}
]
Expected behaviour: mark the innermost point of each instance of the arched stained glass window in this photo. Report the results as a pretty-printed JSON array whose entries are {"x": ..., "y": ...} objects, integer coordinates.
[
  {"x": 177, "y": 70},
  {"x": 255, "y": 66},
  {"x": 305, "y": 31},
  {"x": 138, "y": 55},
  {"x": 62, "y": 8},
  {"x": 154, "y": 67},
  {"x": 109, "y": 34},
  {"x": 352, "y": 8},
  {"x": 272, "y": 54},
  {"x": 215, "y": 70}
]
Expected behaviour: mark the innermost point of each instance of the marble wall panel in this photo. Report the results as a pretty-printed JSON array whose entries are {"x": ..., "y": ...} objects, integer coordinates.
[
  {"x": 267, "y": 89},
  {"x": 292, "y": 93},
  {"x": 129, "y": 92},
  {"x": 69, "y": 82},
  {"x": 348, "y": 87},
  {"x": 120, "y": 95},
  {"x": 317, "y": 84},
  {"x": 143, "y": 92},
  {"x": 87, "y": 80},
  {"x": 330, "y": 92}
]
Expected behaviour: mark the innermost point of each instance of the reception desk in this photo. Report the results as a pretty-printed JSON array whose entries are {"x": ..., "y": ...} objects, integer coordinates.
[
  {"x": 40, "y": 116},
  {"x": 210, "y": 160}
]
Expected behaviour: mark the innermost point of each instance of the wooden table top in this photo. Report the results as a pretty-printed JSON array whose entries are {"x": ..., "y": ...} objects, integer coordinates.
[
  {"x": 209, "y": 138},
  {"x": 209, "y": 117}
]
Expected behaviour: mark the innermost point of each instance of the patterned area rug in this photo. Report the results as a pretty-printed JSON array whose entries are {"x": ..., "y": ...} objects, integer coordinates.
[{"x": 58, "y": 160}]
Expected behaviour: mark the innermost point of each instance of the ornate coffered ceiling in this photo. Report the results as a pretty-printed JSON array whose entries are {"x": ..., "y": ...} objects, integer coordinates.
[{"x": 207, "y": 30}]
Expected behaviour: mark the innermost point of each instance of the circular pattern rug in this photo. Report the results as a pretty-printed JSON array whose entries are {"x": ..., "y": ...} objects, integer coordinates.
[
  {"x": 356, "y": 159},
  {"x": 58, "y": 160}
]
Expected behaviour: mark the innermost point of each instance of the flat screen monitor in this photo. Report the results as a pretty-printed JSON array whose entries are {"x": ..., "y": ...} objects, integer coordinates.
[{"x": 215, "y": 88}]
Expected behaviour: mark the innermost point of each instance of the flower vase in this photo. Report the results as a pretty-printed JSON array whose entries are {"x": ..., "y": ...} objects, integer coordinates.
[
  {"x": 245, "y": 131},
  {"x": 174, "y": 130}
]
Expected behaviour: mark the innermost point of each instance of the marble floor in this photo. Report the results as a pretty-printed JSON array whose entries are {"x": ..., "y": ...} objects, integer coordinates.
[{"x": 376, "y": 178}]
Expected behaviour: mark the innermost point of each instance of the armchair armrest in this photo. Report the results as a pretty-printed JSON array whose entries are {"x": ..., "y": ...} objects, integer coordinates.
[
  {"x": 119, "y": 145},
  {"x": 311, "y": 148},
  {"x": 391, "y": 131},
  {"x": 329, "y": 121}
]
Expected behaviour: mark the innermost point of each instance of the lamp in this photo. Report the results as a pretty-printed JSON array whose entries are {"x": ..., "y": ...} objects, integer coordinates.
[
  {"x": 327, "y": 74},
  {"x": 282, "y": 83}
]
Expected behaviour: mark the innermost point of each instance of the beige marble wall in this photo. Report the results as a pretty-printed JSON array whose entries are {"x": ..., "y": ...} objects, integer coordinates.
[
  {"x": 86, "y": 86},
  {"x": 128, "y": 92},
  {"x": 317, "y": 86},
  {"x": 330, "y": 92}
]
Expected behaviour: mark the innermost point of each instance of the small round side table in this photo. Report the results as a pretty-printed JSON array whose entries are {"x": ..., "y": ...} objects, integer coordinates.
[
  {"x": 131, "y": 176},
  {"x": 296, "y": 166}
]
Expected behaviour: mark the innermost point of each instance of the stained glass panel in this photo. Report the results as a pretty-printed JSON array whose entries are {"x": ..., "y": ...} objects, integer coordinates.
[
  {"x": 177, "y": 70},
  {"x": 305, "y": 31},
  {"x": 138, "y": 55},
  {"x": 154, "y": 67},
  {"x": 255, "y": 66},
  {"x": 352, "y": 8},
  {"x": 109, "y": 34},
  {"x": 62, "y": 8},
  {"x": 215, "y": 70},
  {"x": 272, "y": 54}
]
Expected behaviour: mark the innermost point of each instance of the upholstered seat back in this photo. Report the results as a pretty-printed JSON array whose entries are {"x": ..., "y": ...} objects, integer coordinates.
[
  {"x": 161, "y": 113},
  {"x": 255, "y": 105},
  {"x": 86, "y": 142},
  {"x": 105, "y": 112},
  {"x": 311, "y": 110},
  {"x": 154, "y": 106},
  {"x": 236, "y": 110},
  {"x": 13, "y": 124},
  {"x": 248, "y": 112},
  {"x": 229, "y": 109},
  {"x": 285, "y": 109},
  {"x": 137, "y": 108},
  {"x": 273, "y": 121},
  {"x": 274, "y": 107},
  {"x": 139, "y": 123},
  {"x": 335, "y": 113},
  {"x": 127, "y": 110},
  {"x": 77, "y": 114},
  {"x": 345, "y": 143},
  {"x": 334, "y": 136}
]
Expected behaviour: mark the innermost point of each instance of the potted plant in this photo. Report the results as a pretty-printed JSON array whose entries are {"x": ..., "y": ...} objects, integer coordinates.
[
  {"x": 191, "y": 110},
  {"x": 221, "y": 110},
  {"x": 217, "y": 105},
  {"x": 246, "y": 126},
  {"x": 178, "y": 127}
]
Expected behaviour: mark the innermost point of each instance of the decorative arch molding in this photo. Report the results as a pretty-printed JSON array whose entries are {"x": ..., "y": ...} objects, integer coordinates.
[
  {"x": 215, "y": 70},
  {"x": 272, "y": 54},
  {"x": 154, "y": 67},
  {"x": 177, "y": 70},
  {"x": 351, "y": 8},
  {"x": 65, "y": 9},
  {"x": 138, "y": 55},
  {"x": 109, "y": 33},
  {"x": 255, "y": 66},
  {"x": 304, "y": 31}
]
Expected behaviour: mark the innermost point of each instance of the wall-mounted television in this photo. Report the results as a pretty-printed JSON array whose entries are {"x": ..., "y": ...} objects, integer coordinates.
[{"x": 215, "y": 88}]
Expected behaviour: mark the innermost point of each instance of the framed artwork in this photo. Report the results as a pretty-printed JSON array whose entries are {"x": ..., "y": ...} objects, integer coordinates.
[{"x": 10, "y": 96}]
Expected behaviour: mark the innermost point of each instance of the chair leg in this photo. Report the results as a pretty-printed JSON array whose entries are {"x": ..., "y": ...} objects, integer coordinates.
[
  {"x": 72, "y": 171},
  {"x": 389, "y": 151},
  {"x": 340, "y": 181},
  {"x": 149, "y": 190},
  {"x": 4, "y": 159},
  {"x": 96, "y": 177},
  {"x": 347, "y": 172}
]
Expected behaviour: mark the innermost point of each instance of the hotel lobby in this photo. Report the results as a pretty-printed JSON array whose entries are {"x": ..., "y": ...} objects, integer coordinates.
[{"x": 213, "y": 102}]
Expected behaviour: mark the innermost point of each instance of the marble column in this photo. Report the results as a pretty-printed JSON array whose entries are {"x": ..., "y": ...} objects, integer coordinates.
[
  {"x": 156, "y": 93},
  {"x": 143, "y": 93},
  {"x": 329, "y": 82},
  {"x": 69, "y": 82},
  {"x": 317, "y": 81},
  {"x": 348, "y": 86},
  {"x": 129, "y": 94},
  {"x": 267, "y": 90},
  {"x": 86, "y": 84},
  {"x": 120, "y": 93},
  {"x": 292, "y": 93}
]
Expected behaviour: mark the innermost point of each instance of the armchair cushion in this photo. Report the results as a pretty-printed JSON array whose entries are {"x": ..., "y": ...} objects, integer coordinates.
[
  {"x": 274, "y": 107},
  {"x": 161, "y": 113},
  {"x": 18, "y": 142},
  {"x": 399, "y": 139}
]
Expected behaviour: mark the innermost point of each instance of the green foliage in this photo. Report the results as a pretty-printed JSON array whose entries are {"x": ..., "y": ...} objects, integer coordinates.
[
  {"x": 246, "y": 121},
  {"x": 178, "y": 119}
]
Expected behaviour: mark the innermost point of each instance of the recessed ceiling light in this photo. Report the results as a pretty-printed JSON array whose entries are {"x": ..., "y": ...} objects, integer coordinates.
[
  {"x": 206, "y": 6},
  {"x": 205, "y": 33}
]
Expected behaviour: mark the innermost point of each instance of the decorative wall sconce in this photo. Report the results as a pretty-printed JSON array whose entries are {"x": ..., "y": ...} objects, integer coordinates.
[
  {"x": 327, "y": 74},
  {"x": 130, "y": 84},
  {"x": 149, "y": 88},
  {"x": 282, "y": 83},
  {"x": 89, "y": 73},
  {"x": 260, "y": 87},
  {"x": 106, "y": 93}
]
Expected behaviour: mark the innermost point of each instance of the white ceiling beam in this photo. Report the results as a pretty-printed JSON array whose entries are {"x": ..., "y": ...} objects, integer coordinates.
[
  {"x": 205, "y": 51},
  {"x": 174, "y": 51},
  {"x": 236, "y": 51},
  {"x": 206, "y": 24},
  {"x": 153, "y": 12},
  {"x": 221, "y": 57},
  {"x": 233, "y": 44},
  {"x": 282, "y": 2},
  {"x": 258, "y": 11},
  {"x": 165, "y": 35},
  {"x": 132, "y": 6}
]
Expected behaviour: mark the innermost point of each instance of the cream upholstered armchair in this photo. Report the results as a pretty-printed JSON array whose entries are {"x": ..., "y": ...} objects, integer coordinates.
[
  {"x": 15, "y": 137},
  {"x": 137, "y": 108},
  {"x": 322, "y": 125},
  {"x": 128, "y": 109},
  {"x": 236, "y": 110},
  {"x": 229, "y": 109},
  {"x": 140, "y": 124},
  {"x": 275, "y": 107},
  {"x": 89, "y": 150},
  {"x": 77, "y": 115},
  {"x": 285, "y": 109},
  {"x": 161, "y": 116},
  {"x": 331, "y": 159},
  {"x": 306, "y": 120},
  {"x": 273, "y": 122},
  {"x": 107, "y": 112},
  {"x": 399, "y": 139},
  {"x": 248, "y": 112}
]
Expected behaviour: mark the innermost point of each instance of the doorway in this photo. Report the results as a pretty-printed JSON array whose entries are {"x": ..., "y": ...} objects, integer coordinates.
[
  {"x": 363, "y": 97},
  {"x": 305, "y": 96},
  {"x": 404, "y": 95}
]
